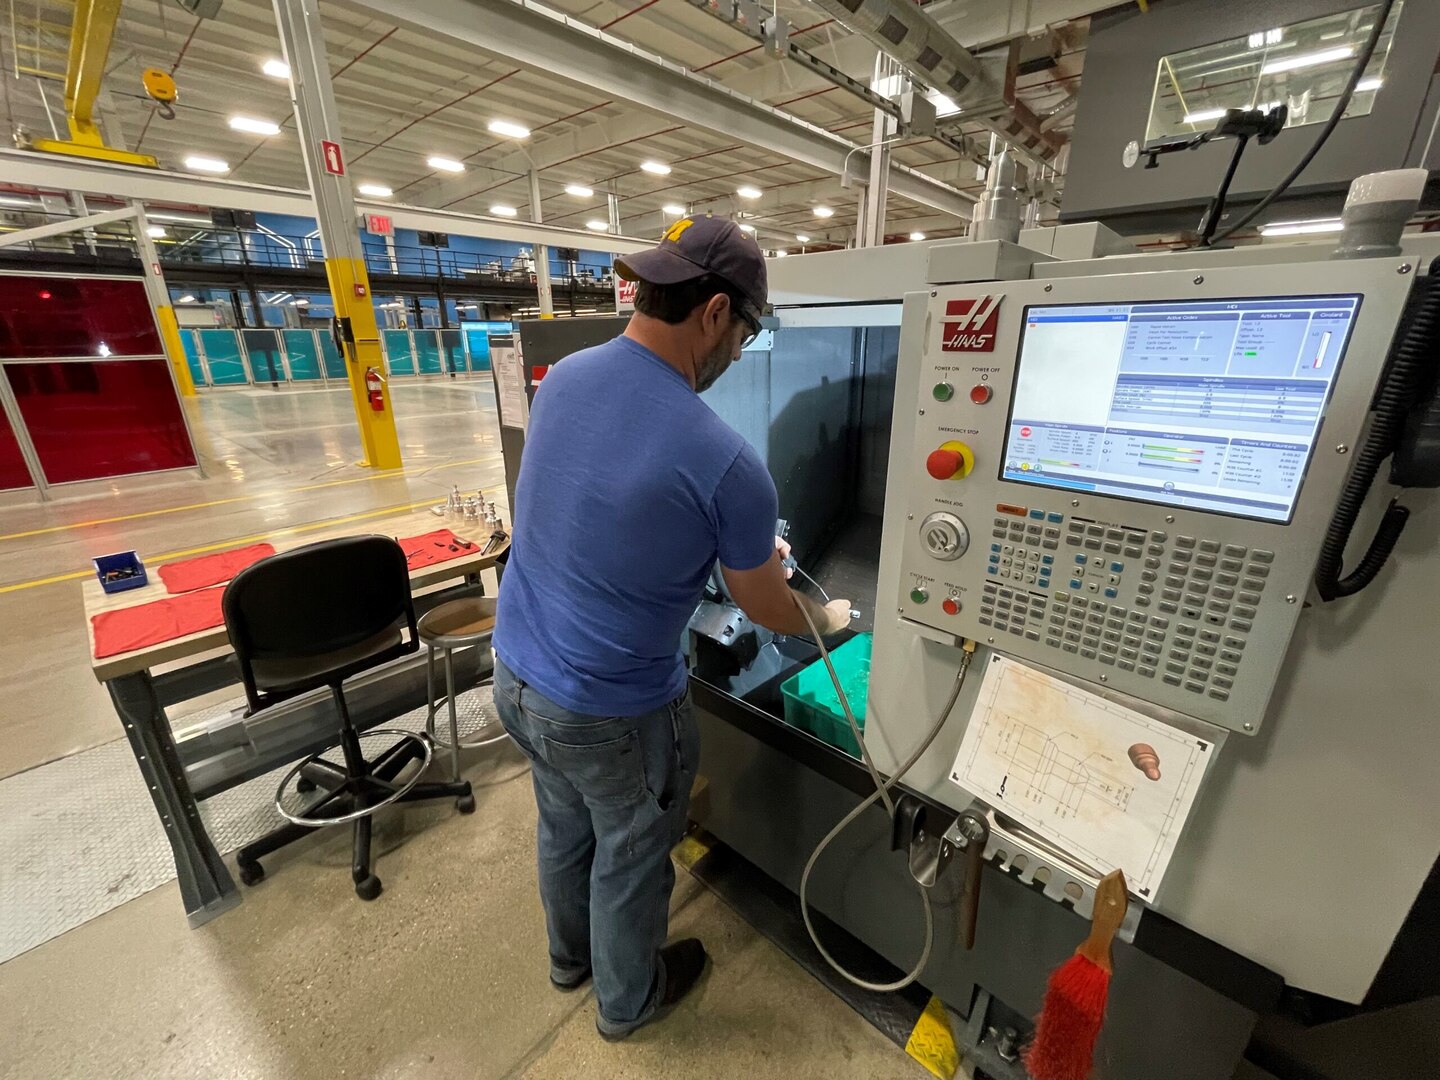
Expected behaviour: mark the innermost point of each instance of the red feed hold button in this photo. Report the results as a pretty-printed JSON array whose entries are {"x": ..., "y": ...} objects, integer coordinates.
[
  {"x": 980, "y": 393},
  {"x": 951, "y": 606},
  {"x": 943, "y": 464}
]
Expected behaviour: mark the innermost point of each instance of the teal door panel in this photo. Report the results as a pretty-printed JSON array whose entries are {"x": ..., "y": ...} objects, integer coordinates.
[
  {"x": 192, "y": 357},
  {"x": 222, "y": 355},
  {"x": 427, "y": 352},
  {"x": 398, "y": 353},
  {"x": 302, "y": 354}
]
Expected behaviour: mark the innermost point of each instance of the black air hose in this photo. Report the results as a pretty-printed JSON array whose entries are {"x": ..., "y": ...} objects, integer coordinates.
[{"x": 1409, "y": 367}]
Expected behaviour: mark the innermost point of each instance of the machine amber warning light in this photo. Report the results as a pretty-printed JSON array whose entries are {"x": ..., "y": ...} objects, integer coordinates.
[{"x": 971, "y": 324}]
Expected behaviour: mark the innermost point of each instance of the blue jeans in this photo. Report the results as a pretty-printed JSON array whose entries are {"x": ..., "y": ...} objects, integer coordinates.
[{"x": 613, "y": 794}]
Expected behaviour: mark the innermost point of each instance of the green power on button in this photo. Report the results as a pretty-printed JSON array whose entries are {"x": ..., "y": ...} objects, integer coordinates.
[
  {"x": 943, "y": 391},
  {"x": 919, "y": 595}
]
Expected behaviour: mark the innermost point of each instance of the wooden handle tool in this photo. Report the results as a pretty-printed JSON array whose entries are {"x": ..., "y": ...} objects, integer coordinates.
[{"x": 1111, "y": 902}]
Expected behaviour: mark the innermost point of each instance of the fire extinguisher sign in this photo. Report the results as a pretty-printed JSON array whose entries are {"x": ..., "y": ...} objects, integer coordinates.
[{"x": 330, "y": 155}]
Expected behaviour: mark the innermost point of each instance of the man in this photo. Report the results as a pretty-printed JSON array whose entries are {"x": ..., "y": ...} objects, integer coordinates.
[{"x": 630, "y": 490}]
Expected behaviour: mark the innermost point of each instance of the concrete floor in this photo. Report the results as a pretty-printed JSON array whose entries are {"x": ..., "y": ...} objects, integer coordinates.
[
  {"x": 445, "y": 975},
  {"x": 274, "y": 460}
]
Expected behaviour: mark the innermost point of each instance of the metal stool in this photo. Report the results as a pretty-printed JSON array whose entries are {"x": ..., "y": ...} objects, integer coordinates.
[{"x": 456, "y": 625}]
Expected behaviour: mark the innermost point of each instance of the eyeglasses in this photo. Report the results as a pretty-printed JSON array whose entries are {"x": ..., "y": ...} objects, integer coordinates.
[{"x": 752, "y": 325}]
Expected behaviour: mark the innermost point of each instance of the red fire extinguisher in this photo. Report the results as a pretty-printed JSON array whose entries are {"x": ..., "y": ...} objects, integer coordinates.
[{"x": 374, "y": 386}]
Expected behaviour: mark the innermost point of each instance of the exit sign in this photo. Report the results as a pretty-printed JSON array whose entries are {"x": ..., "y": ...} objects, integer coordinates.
[{"x": 379, "y": 225}]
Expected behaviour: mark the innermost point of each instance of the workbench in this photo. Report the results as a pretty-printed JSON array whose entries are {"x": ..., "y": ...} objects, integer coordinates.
[{"x": 181, "y": 773}]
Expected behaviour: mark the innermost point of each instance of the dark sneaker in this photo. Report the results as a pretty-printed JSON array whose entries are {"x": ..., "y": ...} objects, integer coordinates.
[
  {"x": 684, "y": 964},
  {"x": 575, "y": 982}
]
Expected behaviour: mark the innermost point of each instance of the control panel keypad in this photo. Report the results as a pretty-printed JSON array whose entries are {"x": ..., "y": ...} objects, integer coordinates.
[{"x": 1192, "y": 601}]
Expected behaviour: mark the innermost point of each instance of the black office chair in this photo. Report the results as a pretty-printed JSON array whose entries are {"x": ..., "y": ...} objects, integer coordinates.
[{"x": 313, "y": 617}]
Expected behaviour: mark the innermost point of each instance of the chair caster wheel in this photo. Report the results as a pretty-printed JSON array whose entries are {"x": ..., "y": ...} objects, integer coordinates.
[
  {"x": 304, "y": 786},
  {"x": 251, "y": 873},
  {"x": 465, "y": 804},
  {"x": 369, "y": 888}
]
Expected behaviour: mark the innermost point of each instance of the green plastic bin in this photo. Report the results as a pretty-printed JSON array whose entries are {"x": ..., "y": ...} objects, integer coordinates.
[{"x": 812, "y": 705}]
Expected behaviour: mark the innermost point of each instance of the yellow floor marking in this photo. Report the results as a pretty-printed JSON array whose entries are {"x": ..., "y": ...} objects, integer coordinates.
[
  {"x": 691, "y": 850},
  {"x": 238, "y": 541},
  {"x": 382, "y": 475},
  {"x": 932, "y": 1042}
]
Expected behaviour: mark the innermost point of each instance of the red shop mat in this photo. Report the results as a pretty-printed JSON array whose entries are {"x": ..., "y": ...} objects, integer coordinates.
[
  {"x": 159, "y": 621},
  {"x": 191, "y": 574},
  {"x": 439, "y": 546}
]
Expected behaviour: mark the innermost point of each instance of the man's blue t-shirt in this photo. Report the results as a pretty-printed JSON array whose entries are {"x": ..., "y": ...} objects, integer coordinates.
[{"x": 630, "y": 489}]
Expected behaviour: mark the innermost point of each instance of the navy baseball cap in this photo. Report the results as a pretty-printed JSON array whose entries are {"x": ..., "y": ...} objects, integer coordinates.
[{"x": 692, "y": 247}]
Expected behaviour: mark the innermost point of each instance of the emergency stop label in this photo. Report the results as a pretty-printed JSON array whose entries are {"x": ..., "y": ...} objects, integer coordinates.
[{"x": 971, "y": 324}]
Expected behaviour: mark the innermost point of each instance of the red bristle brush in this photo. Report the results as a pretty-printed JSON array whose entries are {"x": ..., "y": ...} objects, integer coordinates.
[{"x": 1064, "y": 1045}]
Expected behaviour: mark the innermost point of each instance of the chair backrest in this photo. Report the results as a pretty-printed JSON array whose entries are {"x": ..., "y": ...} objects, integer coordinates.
[{"x": 310, "y": 608}]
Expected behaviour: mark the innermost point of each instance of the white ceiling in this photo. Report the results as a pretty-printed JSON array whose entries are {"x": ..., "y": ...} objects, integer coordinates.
[{"x": 404, "y": 96}]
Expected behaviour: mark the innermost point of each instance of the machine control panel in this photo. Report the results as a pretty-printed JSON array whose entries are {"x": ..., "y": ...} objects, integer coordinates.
[{"x": 1128, "y": 478}]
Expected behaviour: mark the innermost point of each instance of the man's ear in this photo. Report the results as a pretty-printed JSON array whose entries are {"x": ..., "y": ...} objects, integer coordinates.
[{"x": 717, "y": 309}]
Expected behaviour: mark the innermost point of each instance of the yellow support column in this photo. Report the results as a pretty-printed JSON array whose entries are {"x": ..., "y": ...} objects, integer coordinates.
[
  {"x": 378, "y": 437},
  {"x": 159, "y": 295},
  {"x": 318, "y": 122}
]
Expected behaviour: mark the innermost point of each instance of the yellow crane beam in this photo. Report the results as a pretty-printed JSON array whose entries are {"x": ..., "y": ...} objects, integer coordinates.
[{"x": 90, "y": 36}]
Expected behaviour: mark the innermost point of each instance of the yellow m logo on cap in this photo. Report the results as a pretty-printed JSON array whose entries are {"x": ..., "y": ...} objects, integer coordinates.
[{"x": 677, "y": 230}]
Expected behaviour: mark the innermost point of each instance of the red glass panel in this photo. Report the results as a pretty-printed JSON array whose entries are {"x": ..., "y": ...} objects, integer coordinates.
[
  {"x": 13, "y": 473},
  {"x": 43, "y": 317},
  {"x": 102, "y": 418}
]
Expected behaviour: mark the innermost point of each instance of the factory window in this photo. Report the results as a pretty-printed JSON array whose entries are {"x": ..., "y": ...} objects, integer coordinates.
[
  {"x": 1303, "y": 66},
  {"x": 62, "y": 317}
]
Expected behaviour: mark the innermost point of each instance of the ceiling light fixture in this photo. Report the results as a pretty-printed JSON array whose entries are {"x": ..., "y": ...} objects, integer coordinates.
[
  {"x": 824, "y": 212},
  {"x": 1372, "y": 83},
  {"x": 276, "y": 69},
  {"x": 444, "y": 164},
  {"x": 780, "y": 253},
  {"x": 802, "y": 238},
  {"x": 655, "y": 168},
  {"x": 501, "y": 210},
  {"x": 746, "y": 191},
  {"x": 580, "y": 191},
  {"x": 598, "y": 226},
  {"x": 156, "y": 232},
  {"x": 1301, "y": 228},
  {"x": 206, "y": 164},
  {"x": 917, "y": 236},
  {"x": 186, "y": 299},
  {"x": 375, "y": 191},
  {"x": 254, "y": 126},
  {"x": 509, "y": 129},
  {"x": 748, "y": 229},
  {"x": 673, "y": 209},
  {"x": 1295, "y": 63}
]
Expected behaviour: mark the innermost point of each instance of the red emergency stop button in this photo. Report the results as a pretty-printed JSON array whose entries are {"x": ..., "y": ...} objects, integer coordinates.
[
  {"x": 951, "y": 606},
  {"x": 980, "y": 393},
  {"x": 953, "y": 461}
]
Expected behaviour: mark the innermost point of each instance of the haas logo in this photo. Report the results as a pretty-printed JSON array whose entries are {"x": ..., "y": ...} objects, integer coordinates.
[{"x": 978, "y": 318}]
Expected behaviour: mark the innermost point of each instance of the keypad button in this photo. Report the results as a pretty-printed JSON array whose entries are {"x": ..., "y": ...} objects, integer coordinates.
[
  {"x": 1081, "y": 602},
  {"x": 1088, "y": 654},
  {"x": 1222, "y": 682},
  {"x": 1072, "y": 636},
  {"x": 1174, "y": 668},
  {"x": 1114, "y": 534},
  {"x": 1053, "y": 642},
  {"x": 1185, "y": 630},
  {"x": 1214, "y": 619},
  {"x": 1223, "y": 668},
  {"x": 1159, "y": 622},
  {"x": 1154, "y": 635},
  {"x": 1208, "y": 561},
  {"x": 1177, "y": 569},
  {"x": 1200, "y": 574},
  {"x": 1181, "y": 655},
  {"x": 1195, "y": 687},
  {"x": 1111, "y": 635},
  {"x": 1220, "y": 695},
  {"x": 1231, "y": 565},
  {"x": 1173, "y": 680},
  {"x": 985, "y": 620},
  {"x": 1262, "y": 556},
  {"x": 1094, "y": 530},
  {"x": 1204, "y": 648},
  {"x": 1142, "y": 601},
  {"x": 1249, "y": 598},
  {"x": 1227, "y": 579},
  {"x": 1033, "y": 635},
  {"x": 1093, "y": 545},
  {"x": 1201, "y": 662},
  {"x": 1169, "y": 607},
  {"x": 1155, "y": 549},
  {"x": 1148, "y": 672},
  {"x": 1211, "y": 546},
  {"x": 1052, "y": 534},
  {"x": 1133, "y": 552},
  {"x": 1132, "y": 640},
  {"x": 1258, "y": 570},
  {"x": 1129, "y": 653},
  {"x": 1107, "y": 658},
  {"x": 1181, "y": 556},
  {"x": 1221, "y": 606},
  {"x": 1210, "y": 636},
  {"x": 1185, "y": 541},
  {"x": 1112, "y": 548},
  {"x": 1244, "y": 612},
  {"x": 1033, "y": 530},
  {"x": 1159, "y": 537},
  {"x": 1070, "y": 647},
  {"x": 1050, "y": 544},
  {"x": 1048, "y": 560},
  {"x": 1125, "y": 665},
  {"x": 999, "y": 534},
  {"x": 1220, "y": 592},
  {"x": 1173, "y": 595},
  {"x": 1076, "y": 526},
  {"x": 1153, "y": 648},
  {"x": 1152, "y": 564},
  {"x": 1054, "y": 517},
  {"x": 1072, "y": 541},
  {"x": 1138, "y": 617},
  {"x": 1016, "y": 628}
]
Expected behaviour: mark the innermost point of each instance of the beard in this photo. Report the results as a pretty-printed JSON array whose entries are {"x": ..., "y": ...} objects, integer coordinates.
[{"x": 711, "y": 368}]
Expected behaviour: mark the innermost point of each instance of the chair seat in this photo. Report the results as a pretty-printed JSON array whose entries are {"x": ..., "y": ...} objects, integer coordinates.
[
  {"x": 280, "y": 674},
  {"x": 459, "y": 623}
]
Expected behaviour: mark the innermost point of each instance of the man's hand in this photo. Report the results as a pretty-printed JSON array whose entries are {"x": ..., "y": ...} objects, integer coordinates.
[
  {"x": 783, "y": 547},
  {"x": 837, "y": 617}
]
